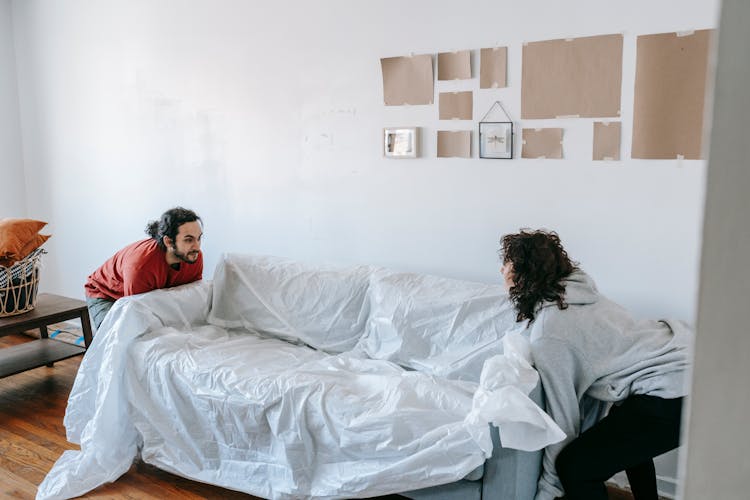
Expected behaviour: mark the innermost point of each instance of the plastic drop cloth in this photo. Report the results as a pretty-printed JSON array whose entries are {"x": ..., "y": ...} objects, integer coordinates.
[
  {"x": 436, "y": 325},
  {"x": 261, "y": 415}
]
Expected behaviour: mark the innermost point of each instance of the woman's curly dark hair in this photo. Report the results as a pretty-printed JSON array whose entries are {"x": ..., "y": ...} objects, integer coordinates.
[{"x": 540, "y": 263}]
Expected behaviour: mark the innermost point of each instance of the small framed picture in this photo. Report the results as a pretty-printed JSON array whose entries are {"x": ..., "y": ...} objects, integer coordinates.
[
  {"x": 401, "y": 142},
  {"x": 496, "y": 140}
]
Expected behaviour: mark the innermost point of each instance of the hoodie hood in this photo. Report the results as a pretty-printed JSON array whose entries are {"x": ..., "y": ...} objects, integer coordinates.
[{"x": 580, "y": 289}]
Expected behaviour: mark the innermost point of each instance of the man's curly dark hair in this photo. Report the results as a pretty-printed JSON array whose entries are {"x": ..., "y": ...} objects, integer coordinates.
[
  {"x": 169, "y": 224},
  {"x": 540, "y": 263}
]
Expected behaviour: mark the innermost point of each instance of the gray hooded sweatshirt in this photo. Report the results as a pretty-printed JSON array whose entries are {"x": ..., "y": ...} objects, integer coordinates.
[{"x": 596, "y": 352}]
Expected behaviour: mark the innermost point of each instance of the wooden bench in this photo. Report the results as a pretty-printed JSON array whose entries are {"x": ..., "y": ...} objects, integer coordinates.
[{"x": 49, "y": 309}]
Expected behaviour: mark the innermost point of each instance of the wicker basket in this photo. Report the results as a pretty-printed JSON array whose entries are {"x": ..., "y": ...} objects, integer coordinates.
[{"x": 19, "y": 284}]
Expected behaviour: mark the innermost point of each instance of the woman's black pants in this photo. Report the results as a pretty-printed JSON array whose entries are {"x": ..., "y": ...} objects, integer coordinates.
[{"x": 628, "y": 439}]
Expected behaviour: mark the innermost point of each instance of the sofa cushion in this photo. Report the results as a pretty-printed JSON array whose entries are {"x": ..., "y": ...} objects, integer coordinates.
[
  {"x": 323, "y": 307},
  {"x": 437, "y": 325}
]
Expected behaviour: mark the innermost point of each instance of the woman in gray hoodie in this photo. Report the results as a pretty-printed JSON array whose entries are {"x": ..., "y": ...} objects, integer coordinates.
[{"x": 593, "y": 355}]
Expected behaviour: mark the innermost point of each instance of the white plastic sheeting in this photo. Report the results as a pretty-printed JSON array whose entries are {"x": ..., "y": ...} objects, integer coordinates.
[
  {"x": 97, "y": 416},
  {"x": 294, "y": 423},
  {"x": 261, "y": 415},
  {"x": 323, "y": 307},
  {"x": 436, "y": 325},
  {"x": 501, "y": 399}
]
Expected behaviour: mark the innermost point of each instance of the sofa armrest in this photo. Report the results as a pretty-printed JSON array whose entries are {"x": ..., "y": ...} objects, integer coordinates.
[
  {"x": 100, "y": 374},
  {"x": 181, "y": 306},
  {"x": 512, "y": 474}
]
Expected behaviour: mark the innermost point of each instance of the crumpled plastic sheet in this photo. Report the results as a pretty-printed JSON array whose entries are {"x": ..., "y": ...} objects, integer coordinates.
[
  {"x": 274, "y": 419},
  {"x": 502, "y": 396},
  {"x": 436, "y": 325}
]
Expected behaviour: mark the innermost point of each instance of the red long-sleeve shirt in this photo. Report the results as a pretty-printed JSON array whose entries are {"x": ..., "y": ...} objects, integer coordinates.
[{"x": 139, "y": 267}]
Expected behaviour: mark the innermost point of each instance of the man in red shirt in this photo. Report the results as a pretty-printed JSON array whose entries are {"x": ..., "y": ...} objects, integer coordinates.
[{"x": 170, "y": 257}]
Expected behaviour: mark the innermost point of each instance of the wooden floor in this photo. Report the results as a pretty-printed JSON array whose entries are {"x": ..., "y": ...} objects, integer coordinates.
[{"x": 32, "y": 438}]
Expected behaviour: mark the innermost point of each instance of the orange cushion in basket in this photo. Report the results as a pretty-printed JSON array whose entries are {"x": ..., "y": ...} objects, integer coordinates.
[
  {"x": 37, "y": 241},
  {"x": 15, "y": 234}
]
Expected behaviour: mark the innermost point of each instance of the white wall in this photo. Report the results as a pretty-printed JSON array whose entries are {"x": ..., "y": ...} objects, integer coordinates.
[
  {"x": 718, "y": 463},
  {"x": 12, "y": 182},
  {"x": 266, "y": 118}
]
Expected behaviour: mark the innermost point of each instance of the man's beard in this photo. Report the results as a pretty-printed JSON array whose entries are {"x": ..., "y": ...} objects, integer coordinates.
[{"x": 185, "y": 257}]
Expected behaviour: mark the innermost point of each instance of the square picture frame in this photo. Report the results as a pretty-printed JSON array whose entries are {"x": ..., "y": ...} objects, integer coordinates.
[
  {"x": 496, "y": 140},
  {"x": 401, "y": 142}
]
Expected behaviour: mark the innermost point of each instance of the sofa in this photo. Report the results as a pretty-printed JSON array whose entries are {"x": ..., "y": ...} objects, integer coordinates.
[{"x": 289, "y": 380}]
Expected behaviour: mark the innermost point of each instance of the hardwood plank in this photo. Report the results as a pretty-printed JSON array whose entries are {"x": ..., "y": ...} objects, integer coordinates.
[
  {"x": 27, "y": 459},
  {"x": 39, "y": 434},
  {"x": 12, "y": 486}
]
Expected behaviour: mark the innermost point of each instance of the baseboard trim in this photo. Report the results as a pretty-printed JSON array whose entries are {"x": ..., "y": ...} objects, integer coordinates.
[
  {"x": 616, "y": 492},
  {"x": 667, "y": 486}
]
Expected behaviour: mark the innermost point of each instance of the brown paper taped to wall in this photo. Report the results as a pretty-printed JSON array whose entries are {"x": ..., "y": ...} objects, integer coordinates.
[
  {"x": 456, "y": 105},
  {"x": 576, "y": 77},
  {"x": 454, "y": 65},
  {"x": 493, "y": 65},
  {"x": 606, "y": 141},
  {"x": 407, "y": 80},
  {"x": 670, "y": 90},
  {"x": 454, "y": 143},
  {"x": 542, "y": 143}
]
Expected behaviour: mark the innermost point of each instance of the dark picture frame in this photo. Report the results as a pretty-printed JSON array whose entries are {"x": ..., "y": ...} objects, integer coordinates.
[{"x": 496, "y": 140}]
